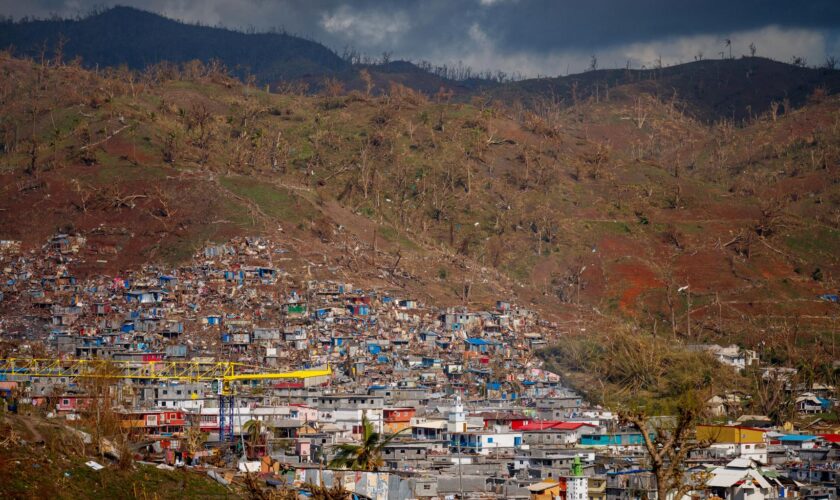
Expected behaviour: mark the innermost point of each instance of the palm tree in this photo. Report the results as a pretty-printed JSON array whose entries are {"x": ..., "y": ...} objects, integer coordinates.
[
  {"x": 366, "y": 456},
  {"x": 254, "y": 430}
]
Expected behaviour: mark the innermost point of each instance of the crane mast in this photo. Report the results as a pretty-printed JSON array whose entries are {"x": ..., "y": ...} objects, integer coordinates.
[{"x": 223, "y": 373}]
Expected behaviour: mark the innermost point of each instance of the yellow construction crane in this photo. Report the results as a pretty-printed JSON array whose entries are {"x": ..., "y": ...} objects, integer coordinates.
[
  {"x": 188, "y": 371},
  {"x": 224, "y": 373}
]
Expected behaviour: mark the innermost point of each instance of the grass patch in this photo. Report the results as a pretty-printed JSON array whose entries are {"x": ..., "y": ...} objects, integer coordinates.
[
  {"x": 520, "y": 268},
  {"x": 237, "y": 214},
  {"x": 182, "y": 248},
  {"x": 42, "y": 476},
  {"x": 391, "y": 235},
  {"x": 277, "y": 203},
  {"x": 610, "y": 227},
  {"x": 112, "y": 170},
  {"x": 819, "y": 241}
]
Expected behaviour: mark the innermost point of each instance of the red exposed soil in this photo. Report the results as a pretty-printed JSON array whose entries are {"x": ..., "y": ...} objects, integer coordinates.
[
  {"x": 705, "y": 271},
  {"x": 637, "y": 277},
  {"x": 615, "y": 247}
]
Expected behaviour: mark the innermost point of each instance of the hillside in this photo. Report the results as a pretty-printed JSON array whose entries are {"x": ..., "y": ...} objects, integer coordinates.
[
  {"x": 137, "y": 39},
  {"x": 710, "y": 90},
  {"x": 594, "y": 213}
]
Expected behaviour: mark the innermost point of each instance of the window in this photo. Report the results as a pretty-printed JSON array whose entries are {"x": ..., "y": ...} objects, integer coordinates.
[
  {"x": 489, "y": 440},
  {"x": 65, "y": 402},
  {"x": 427, "y": 486}
]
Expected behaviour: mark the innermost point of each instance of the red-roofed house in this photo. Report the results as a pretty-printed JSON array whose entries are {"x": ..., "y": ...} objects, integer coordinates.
[
  {"x": 501, "y": 419},
  {"x": 540, "y": 425},
  {"x": 834, "y": 439}
]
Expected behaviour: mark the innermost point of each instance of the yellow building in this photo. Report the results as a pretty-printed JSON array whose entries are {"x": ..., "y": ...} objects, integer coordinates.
[
  {"x": 545, "y": 491},
  {"x": 597, "y": 488},
  {"x": 729, "y": 434}
]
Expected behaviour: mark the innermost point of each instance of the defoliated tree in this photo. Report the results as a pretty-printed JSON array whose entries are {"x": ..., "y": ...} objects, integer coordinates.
[{"x": 668, "y": 443}]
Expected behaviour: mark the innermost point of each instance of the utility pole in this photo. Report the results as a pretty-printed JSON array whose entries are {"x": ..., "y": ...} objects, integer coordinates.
[
  {"x": 579, "y": 277},
  {"x": 687, "y": 291},
  {"x": 460, "y": 476},
  {"x": 688, "y": 311}
]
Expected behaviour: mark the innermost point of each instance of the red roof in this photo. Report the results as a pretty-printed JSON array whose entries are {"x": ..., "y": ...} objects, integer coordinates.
[
  {"x": 831, "y": 438},
  {"x": 288, "y": 385},
  {"x": 542, "y": 425}
]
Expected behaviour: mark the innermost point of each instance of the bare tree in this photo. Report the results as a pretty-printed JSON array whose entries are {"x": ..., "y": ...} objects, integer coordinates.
[
  {"x": 364, "y": 74},
  {"x": 774, "y": 110},
  {"x": 641, "y": 113},
  {"x": 333, "y": 87},
  {"x": 770, "y": 395},
  {"x": 668, "y": 445}
]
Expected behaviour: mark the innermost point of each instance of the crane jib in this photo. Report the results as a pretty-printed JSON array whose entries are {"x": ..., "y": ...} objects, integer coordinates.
[{"x": 161, "y": 370}]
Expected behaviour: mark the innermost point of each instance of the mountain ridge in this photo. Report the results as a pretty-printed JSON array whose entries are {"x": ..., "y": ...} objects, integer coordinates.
[
  {"x": 710, "y": 90},
  {"x": 138, "y": 38},
  {"x": 713, "y": 88}
]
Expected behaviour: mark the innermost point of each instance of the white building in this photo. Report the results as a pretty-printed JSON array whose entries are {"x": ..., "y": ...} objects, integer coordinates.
[
  {"x": 482, "y": 443},
  {"x": 732, "y": 355},
  {"x": 350, "y": 420},
  {"x": 577, "y": 485},
  {"x": 740, "y": 479},
  {"x": 457, "y": 421}
]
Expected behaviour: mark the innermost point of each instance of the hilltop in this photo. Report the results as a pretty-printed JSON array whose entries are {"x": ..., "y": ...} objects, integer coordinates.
[
  {"x": 709, "y": 90},
  {"x": 600, "y": 210},
  {"x": 138, "y": 39}
]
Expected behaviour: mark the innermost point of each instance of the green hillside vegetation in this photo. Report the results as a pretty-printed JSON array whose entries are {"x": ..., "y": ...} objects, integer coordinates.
[
  {"x": 599, "y": 208},
  {"x": 42, "y": 459},
  {"x": 627, "y": 368}
]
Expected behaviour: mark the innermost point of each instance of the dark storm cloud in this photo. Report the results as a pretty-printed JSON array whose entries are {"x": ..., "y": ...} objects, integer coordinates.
[
  {"x": 532, "y": 36},
  {"x": 591, "y": 24}
]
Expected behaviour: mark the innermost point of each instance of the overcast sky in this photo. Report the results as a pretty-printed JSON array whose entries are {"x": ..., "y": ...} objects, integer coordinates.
[{"x": 533, "y": 37}]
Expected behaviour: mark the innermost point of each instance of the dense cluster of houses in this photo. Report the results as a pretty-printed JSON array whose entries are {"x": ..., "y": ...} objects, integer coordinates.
[{"x": 474, "y": 410}]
